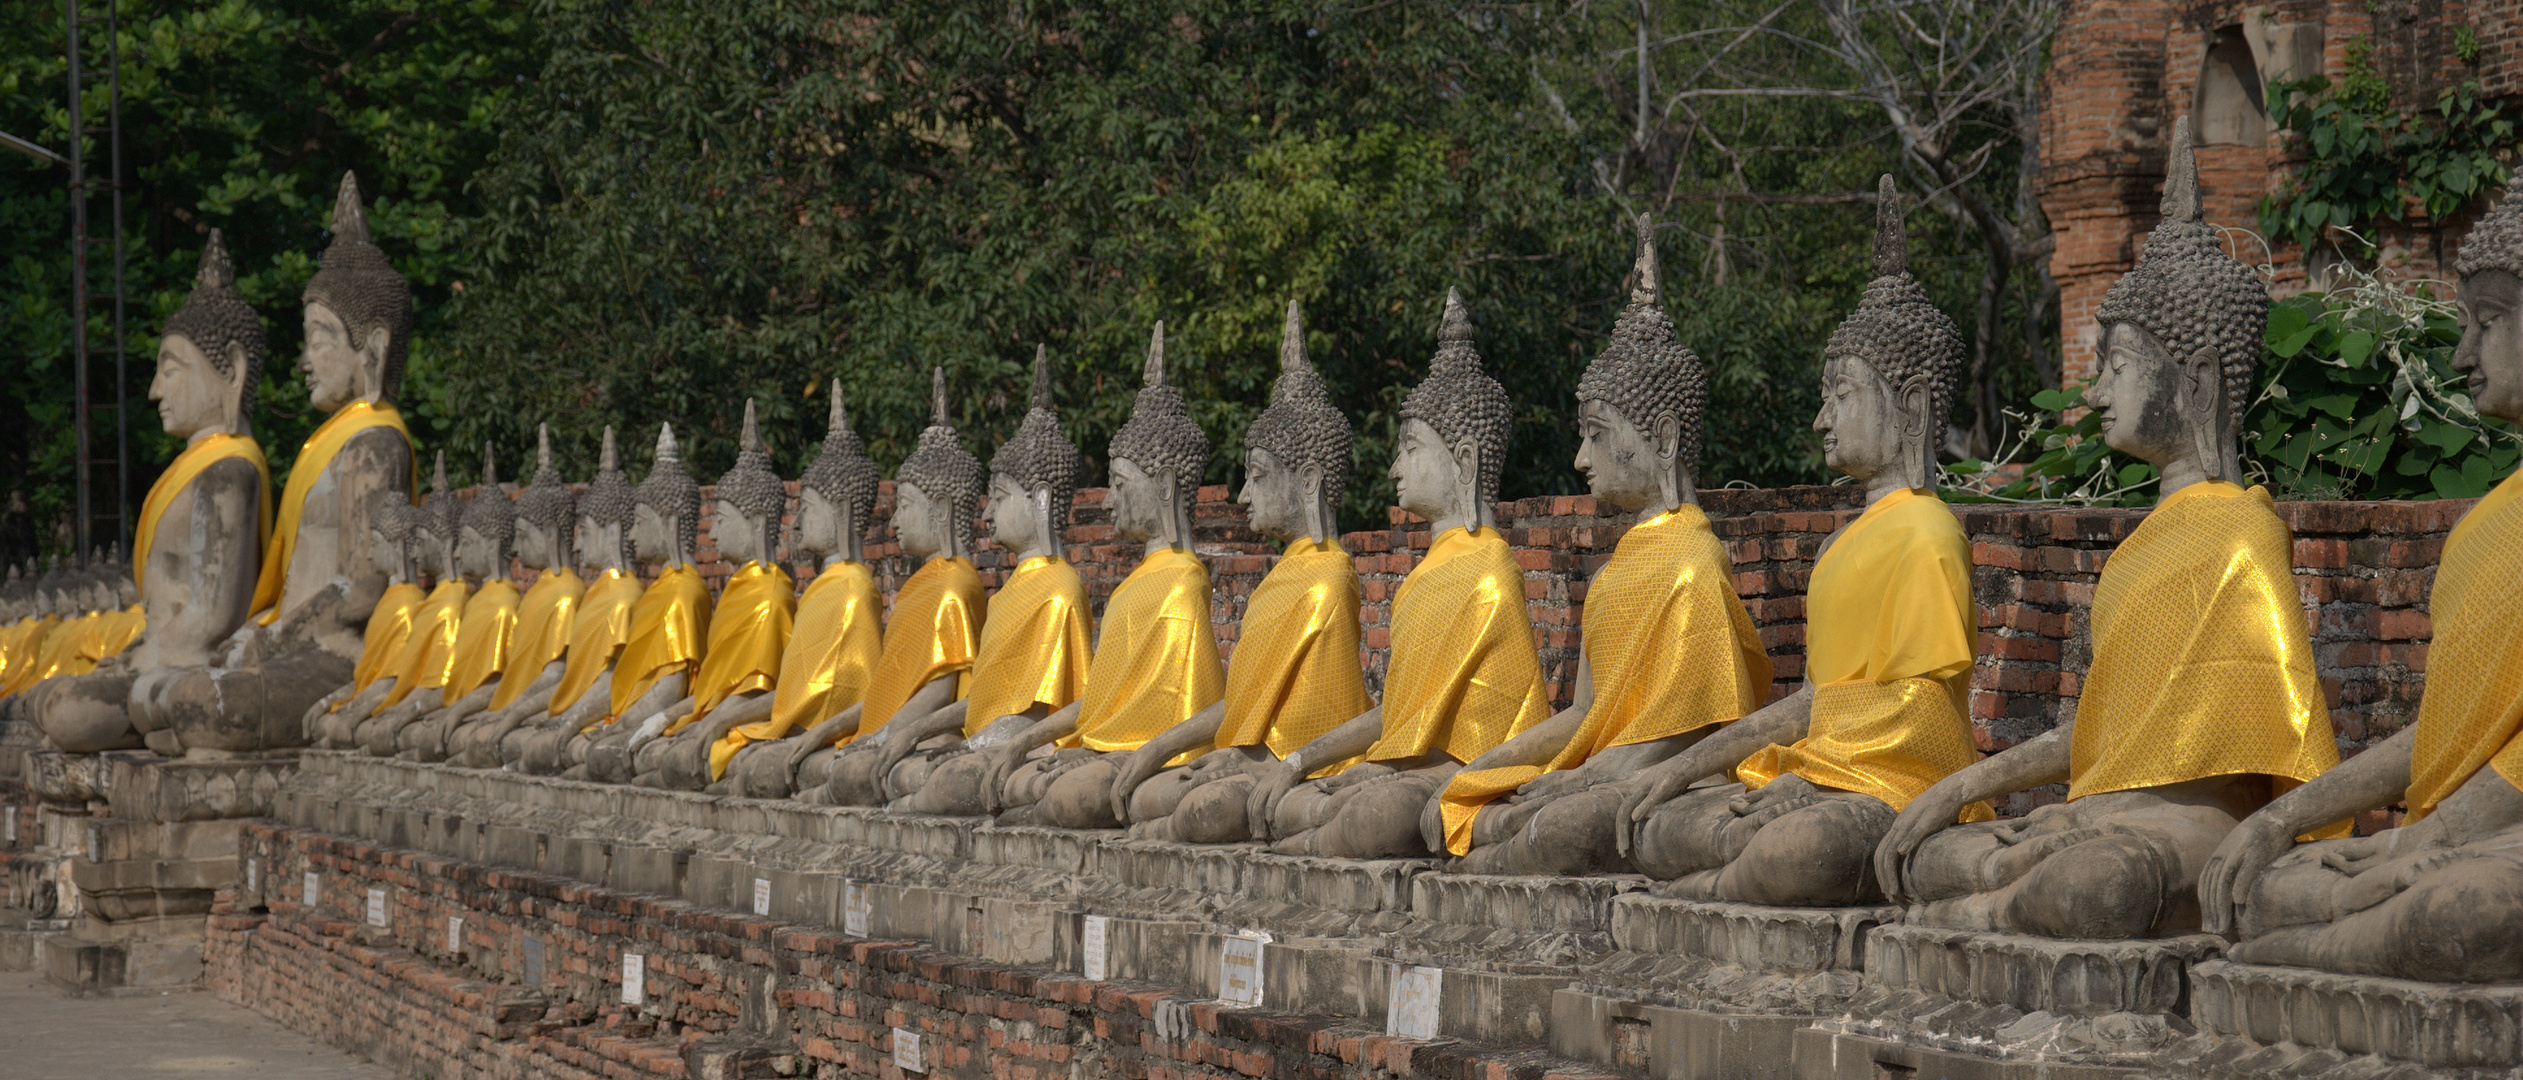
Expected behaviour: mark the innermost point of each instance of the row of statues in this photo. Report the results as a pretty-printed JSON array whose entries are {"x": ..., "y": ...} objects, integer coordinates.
[{"x": 2204, "y": 784}]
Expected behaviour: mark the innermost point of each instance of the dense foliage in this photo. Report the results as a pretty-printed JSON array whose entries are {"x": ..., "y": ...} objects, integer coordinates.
[{"x": 2367, "y": 159}]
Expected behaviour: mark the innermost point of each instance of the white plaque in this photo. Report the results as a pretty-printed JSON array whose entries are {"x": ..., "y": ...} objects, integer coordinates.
[
  {"x": 376, "y": 907},
  {"x": 96, "y": 844},
  {"x": 253, "y": 877},
  {"x": 306, "y": 892},
  {"x": 1411, "y": 1012},
  {"x": 455, "y": 934},
  {"x": 1095, "y": 948},
  {"x": 1239, "y": 969},
  {"x": 634, "y": 978},
  {"x": 855, "y": 907},
  {"x": 9, "y": 824},
  {"x": 762, "y": 896},
  {"x": 907, "y": 1051}
]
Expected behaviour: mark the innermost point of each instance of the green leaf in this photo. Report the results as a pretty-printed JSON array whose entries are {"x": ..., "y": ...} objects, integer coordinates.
[
  {"x": 2294, "y": 343},
  {"x": 2355, "y": 346},
  {"x": 2050, "y": 400},
  {"x": 2343, "y": 406},
  {"x": 2442, "y": 436}
]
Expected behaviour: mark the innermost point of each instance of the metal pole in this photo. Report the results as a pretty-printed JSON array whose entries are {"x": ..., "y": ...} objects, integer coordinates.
[
  {"x": 122, "y": 380},
  {"x": 78, "y": 286}
]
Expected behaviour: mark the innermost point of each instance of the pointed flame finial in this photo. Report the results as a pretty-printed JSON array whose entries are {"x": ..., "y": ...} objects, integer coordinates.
[
  {"x": 542, "y": 448},
  {"x": 438, "y": 477},
  {"x": 1892, "y": 242},
  {"x": 666, "y": 448},
  {"x": 350, "y": 218},
  {"x": 937, "y": 396},
  {"x": 1457, "y": 325},
  {"x": 1042, "y": 377},
  {"x": 1292, "y": 339},
  {"x": 839, "y": 420},
  {"x": 605, "y": 459},
  {"x": 217, "y": 270},
  {"x": 1154, "y": 373},
  {"x": 2181, "y": 177},
  {"x": 751, "y": 437},
  {"x": 490, "y": 466},
  {"x": 1649, "y": 286}
]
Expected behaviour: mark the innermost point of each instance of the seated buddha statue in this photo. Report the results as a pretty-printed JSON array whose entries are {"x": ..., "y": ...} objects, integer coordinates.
[
  {"x": 1667, "y": 653},
  {"x": 2201, "y": 701},
  {"x": 1033, "y": 652},
  {"x": 835, "y": 642},
  {"x": 393, "y": 544},
  {"x": 198, "y": 541},
  {"x": 929, "y": 639},
  {"x": 1295, "y": 673},
  {"x": 317, "y": 581},
  {"x": 2433, "y": 900},
  {"x": 749, "y": 629},
  {"x": 485, "y": 532},
  {"x": 1157, "y": 652},
  {"x": 539, "y": 632},
  {"x": 1463, "y": 674},
  {"x": 544, "y": 722},
  {"x": 669, "y": 626},
  {"x": 1890, "y": 634},
  {"x": 429, "y": 649}
]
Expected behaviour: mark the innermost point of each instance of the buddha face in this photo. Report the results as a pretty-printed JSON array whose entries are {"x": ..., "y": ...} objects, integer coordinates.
[
  {"x": 599, "y": 542},
  {"x": 477, "y": 554},
  {"x": 430, "y": 554},
  {"x": 1860, "y": 421},
  {"x": 820, "y": 523},
  {"x": 384, "y": 554},
  {"x": 920, "y": 524},
  {"x": 191, "y": 395},
  {"x": 1426, "y": 474},
  {"x": 2137, "y": 396},
  {"x": 2491, "y": 352},
  {"x": 1620, "y": 462},
  {"x": 339, "y": 370},
  {"x": 1141, "y": 502},
  {"x": 1278, "y": 494},
  {"x": 739, "y": 536},
  {"x": 653, "y": 538},
  {"x": 1013, "y": 522},
  {"x": 534, "y": 544}
]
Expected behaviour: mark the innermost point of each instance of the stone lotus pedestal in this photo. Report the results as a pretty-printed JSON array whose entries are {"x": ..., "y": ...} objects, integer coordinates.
[{"x": 2263, "y": 1023}]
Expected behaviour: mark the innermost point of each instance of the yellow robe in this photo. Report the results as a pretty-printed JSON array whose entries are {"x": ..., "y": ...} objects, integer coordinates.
[
  {"x": 2473, "y": 710},
  {"x": 1034, "y": 649},
  {"x": 482, "y": 638},
  {"x": 666, "y": 637},
  {"x": 115, "y": 631},
  {"x": 17, "y": 646},
  {"x": 1670, "y": 647},
  {"x": 831, "y": 652},
  {"x": 26, "y": 651},
  {"x": 543, "y": 625},
  {"x": 1296, "y": 673},
  {"x": 59, "y": 652},
  {"x": 431, "y": 648},
  {"x": 596, "y": 635},
  {"x": 389, "y": 628},
  {"x": 316, "y": 453},
  {"x": 1463, "y": 676},
  {"x": 749, "y": 632},
  {"x": 180, "y": 474},
  {"x": 2203, "y": 665},
  {"x": 929, "y": 635},
  {"x": 1156, "y": 655},
  {"x": 1890, "y": 635}
]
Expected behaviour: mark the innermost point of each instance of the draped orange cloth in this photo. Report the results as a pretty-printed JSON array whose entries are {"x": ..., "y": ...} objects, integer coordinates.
[
  {"x": 542, "y": 635},
  {"x": 389, "y": 628},
  {"x": 1156, "y": 655},
  {"x": 313, "y": 456},
  {"x": 2473, "y": 710},
  {"x": 929, "y": 635},
  {"x": 179, "y": 475},
  {"x": 1034, "y": 648},
  {"x": 431, "y": 648},
  {"x": 596, "y": 636},
  {"x": 1463, "y": 676},
  {"x": 749, "y": 631},
  {"x": 1296, "y": 673},
  {"x": 832, "y": 651},
  {"x": 482, "y": 639},
  {"x": 667, "y": 636}
]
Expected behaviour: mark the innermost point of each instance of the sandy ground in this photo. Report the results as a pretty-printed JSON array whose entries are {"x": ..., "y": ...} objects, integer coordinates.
[{"x": 47, "y": 1037}]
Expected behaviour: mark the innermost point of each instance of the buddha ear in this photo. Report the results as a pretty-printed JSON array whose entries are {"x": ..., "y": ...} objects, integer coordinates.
[
  {"x": 2203, "y": 387},
  {"x": 1668, "y": 436},
  {"x": 235, "y": 377},
  {"x": 1917, "y": 398},
  {"x": 1039, "y": 499}
]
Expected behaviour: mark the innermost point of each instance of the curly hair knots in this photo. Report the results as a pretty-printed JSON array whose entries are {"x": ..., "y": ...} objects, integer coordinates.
[
  {"x": 1643, "y": 373},
  {"x": 1302, "y": 428},
  {"x": 1160, "y": 435},
  {"x": 216, "y": 318},
  {"x": 1461, "y": 401},
  {"x": 2187, "y": 293},
  {"x": 1040, "y": 456}
]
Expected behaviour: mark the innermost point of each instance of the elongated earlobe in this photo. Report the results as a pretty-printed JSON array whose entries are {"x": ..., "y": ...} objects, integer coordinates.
[{"x": 1918, "y": 442}]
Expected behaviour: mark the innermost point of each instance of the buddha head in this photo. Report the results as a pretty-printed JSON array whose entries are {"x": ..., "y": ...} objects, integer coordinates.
[
  {"x": 390, "y": 521},
  {"x": 358, "y": 314},
  {"x": 1890, "y": 370},
  {"x": 1033, "y": 475},
  {"x": 1639, "y": 403},
  {"x": 839, "y": 488},
  {"x": 211, "y": 356},
  {"x": 935, "y": 488},
  {"x": 1296, "y": 453},
  {"x": 746, "y": 520},
  {"x": 489, "y": 526},
  {"x": 2491, "y": 352},
  {"x": 545, "y": 511},
  {"x": 1454, "y": 431},
  {"x": 606, "y": 514},
  {"x": 1157, "y": 458},
  {"x": 2181, "y": 333},
  {"x": 435, "y": 531},
  {"x": 666, "y": 510}
]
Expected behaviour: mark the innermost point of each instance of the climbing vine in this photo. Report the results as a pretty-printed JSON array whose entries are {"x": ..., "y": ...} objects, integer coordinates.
[{"x": 2366, "y": 159}]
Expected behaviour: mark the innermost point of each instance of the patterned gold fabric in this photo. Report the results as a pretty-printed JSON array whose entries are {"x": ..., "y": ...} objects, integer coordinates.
[
  {"x": 2473, "y": 710},
  {"x": 1670, "y": 647},
  {"x": 1156, "y": 655},
  {"x": 482, "y": 639},
  {"x": 542, "y": 635},
  {"x": 1034, "y": 648},
  {"x": 59, "y": 650},
  {"x": 431, "y": 647},
  {"x": 666, "y": 636},
  {"x": 26, "y": 651},
  {"x": 748, "y": 635},
  {"x": 831, "y": 651},
  {"x": 929, "y": 634},
  {"x": 596, "y": 636},
  {"x": 1890, "y": 632},
  {"x": 389, "y": 628},
  {"x": 180, "y": 474},
  {"x": 115, "y": 631},
  {"x": 1463, "y": 675},
  {"x": 313, "y": 456},
  {"x": 2203, "y": 665},
  {"x": 1296, "y": 673}
]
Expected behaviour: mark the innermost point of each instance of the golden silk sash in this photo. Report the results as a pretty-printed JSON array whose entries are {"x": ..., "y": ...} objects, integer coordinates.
[
  {"x": 1156, "y": 655},
  {"x": 596, "y": 636},
  {"x": 431, "y": 648},
  {"x": 35, "y": 636},
  {"x": 929, "y": 635},
  {"x": 749, "y": 634},
  {"x": 60, "y": 654},
  {"x": 832, "y": 649},
  {"x": 1670, "y": 647},
  {"x": 1034, "y": 647},
  {"x": 16, "y": 648},
  {"x": 1296, "y": 673},
  {"x": 389, "y": 628},
  {"x": 667, "y": 636},
  {"x": 1463, "y": 675},
  {"x": 2473, "y": 707},
  {"x": 482, "y": 638},
  {"x": 313, "y": 458},
  {"x": 1890, "y": 635},
  {"x": 543, "y": 625},
  {"x": 115, "y": 632},
  {"x": 180, "y": 474}
]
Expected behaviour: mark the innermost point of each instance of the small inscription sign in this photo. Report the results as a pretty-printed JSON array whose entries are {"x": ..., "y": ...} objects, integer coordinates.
[
  {"x": 306, "y": 890},
  {"x": 1095, "y": 947},
  {"x": 9, "y": 824},
  {"x": 907, "y": 1051},
  {"x": 455, "y": 933},
  {"x": 376, "y": 907},
  {"x": 855, "y": 907},
  {"x": 1240, "y": 970},
  {"x": 534, "y": 961},
  {"x": 253, "y": 877},
  {"x": 762, "y": 896},
  {"x": 634, "y": 979},
  {"x": 1411, "y": 1011},
  {"x": 96, "y": 844}
]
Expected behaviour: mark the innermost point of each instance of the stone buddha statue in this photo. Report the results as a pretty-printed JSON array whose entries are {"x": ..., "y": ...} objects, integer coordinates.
[
  {"x": 1668, "y": 654},
  {"x": 34, "y": 631},
  {"x": 669, "y": 625},
  {"x": 199, "y": 537},
  {"x": 1033, "y": 651},
  {"x": 429, "y": 652},
  {"x": 2201, "y": 701},
  {"x": 531, "y": 732},
  {"x": 930, "y": 635},
  {"x": 1158, "y": 651},
  {"x": 2433, "y": 900},
  {"x": 1463, "y": 675},
  {"x": 317, "y": 582},
  {"x": 835, "y": 645},
  {"x": 1295, "y": 673},
  {"x": 749, "y": 630},
  {"x": 485, "y": 533},
  {"x": 1890, "y": 633},
  {"x": 389, "y": 631},
  {"x": 537, "y": 632}
]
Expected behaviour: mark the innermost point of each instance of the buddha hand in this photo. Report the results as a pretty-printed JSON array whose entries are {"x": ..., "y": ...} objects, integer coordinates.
[
  {"x": 1272, "y": 782},
  {"x": 1937, "y": 807},
  {"x": 2225, "y": 886}
]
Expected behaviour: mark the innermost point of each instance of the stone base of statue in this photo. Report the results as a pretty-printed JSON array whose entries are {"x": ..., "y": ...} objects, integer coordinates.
[{"x": 2262, "y": 1023}]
